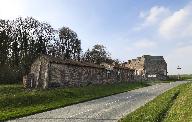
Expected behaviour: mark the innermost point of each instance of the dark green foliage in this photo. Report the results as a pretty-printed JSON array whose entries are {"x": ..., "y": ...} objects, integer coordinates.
[
  {"x": 16, "y": 101},
  {"x": 98, "y": 55},
  {"x": 4, "y": 41},
  {"x": 70, "y": 45},
  {"x": 7, "y": 75},
  {"x": 22, "y": 40}
]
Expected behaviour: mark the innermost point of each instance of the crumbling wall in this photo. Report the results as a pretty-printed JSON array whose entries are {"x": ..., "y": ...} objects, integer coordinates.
[
  {"x": 74, "y": 75},
  {"x": 137, "y": 64},
  {"x": 156, "y": 68},
  {"x": 54, "y": 72},
  {"x": 40, "y": 71},
  {"x": 148, "y": 67}
]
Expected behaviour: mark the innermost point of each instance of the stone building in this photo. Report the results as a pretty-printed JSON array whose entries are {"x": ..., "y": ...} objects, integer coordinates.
[
  {"x": 148, "y": 67},
  {"x": 52, "y": 72}
]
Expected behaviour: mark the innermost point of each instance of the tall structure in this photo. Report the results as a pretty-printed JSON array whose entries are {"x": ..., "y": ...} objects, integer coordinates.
[{"x": 149, "y": 67}]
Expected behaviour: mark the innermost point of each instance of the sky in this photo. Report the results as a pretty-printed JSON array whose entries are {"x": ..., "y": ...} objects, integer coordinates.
[{"x": 127, "y": 28}]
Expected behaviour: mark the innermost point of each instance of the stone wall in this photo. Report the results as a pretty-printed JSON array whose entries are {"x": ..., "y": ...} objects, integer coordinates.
[
  {"x": 74, "y": 75},
  {"x": 156, "y": 65},
  {"x": 137, "y": 64},
  {"x": 148, "y": 67},
  {"x": 40, "y": 70},
  {"x": 53, "y": 72}
]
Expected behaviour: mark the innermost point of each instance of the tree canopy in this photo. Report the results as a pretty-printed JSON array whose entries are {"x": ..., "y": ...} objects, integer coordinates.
[
  {"x": 98, "y": 54},
  {"x": 22, "y": 40}
]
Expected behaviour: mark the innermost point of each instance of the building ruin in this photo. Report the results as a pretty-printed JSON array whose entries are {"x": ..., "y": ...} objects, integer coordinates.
[
  {"x": 148, "y": 67},
  {"x": 47, "y": 71},
  {"x": 53, "y": 72}
]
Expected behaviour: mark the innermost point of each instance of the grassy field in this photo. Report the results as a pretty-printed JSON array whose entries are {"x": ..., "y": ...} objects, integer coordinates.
[
  {"x": 174, "y": 105},
  {"x": 181, "y": 110},
  {"x": 185, "y": 77},
  {"x": 16, "y": 101}
]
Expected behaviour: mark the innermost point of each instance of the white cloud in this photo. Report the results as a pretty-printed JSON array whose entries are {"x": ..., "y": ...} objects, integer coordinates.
[
  {"x": 142, "y": 14},
  {"x": 153, "y": 16},
  {"x": 178, "y": 25},
  {"x": 174, "y": 26},
  {"x": 145, "y": 44}
]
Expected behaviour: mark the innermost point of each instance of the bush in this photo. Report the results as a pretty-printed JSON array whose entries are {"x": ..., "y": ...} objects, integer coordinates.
[{"x": 8, "y": 75}]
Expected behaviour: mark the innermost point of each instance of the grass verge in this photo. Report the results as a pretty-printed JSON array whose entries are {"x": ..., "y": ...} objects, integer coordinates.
[
  {"x": 181, "y": 111},
  {"x": 17, "y": 102},
  {"x": 166, "y": 107}
]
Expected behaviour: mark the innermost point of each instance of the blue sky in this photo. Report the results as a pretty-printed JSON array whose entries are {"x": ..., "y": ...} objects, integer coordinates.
[{"x": 128, "y": 28}]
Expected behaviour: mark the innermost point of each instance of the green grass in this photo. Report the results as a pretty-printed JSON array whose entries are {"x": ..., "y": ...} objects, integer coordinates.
[
  {"x": 186, "y": 77},
  {"x": 171, "y": 106},
  {"x": 158, "y": 82},
  {"x": 17, "y": 102},
  {"x": 181, "y": 111}
]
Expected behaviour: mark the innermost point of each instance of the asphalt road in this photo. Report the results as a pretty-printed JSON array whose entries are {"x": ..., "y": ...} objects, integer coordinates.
[{"x": 107, "y": 109}]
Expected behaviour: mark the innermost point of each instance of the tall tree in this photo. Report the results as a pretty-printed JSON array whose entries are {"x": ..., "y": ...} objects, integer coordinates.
[
  {"x": 23, "y": 39},
  {"x": 97, "y": 55},
  {"x": 32, "y": 38},
  {"x": 4, "y": 41},
  {"x": 70, "y": 45}
]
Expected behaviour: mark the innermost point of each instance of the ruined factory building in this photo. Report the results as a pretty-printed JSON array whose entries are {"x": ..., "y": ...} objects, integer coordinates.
[
  {"x": 49, "y": 71},
  {"x": 149, "y": 67}
]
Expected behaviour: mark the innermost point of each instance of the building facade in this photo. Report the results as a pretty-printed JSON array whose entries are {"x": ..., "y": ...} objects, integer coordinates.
[{"x": 148, "y": 67}]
